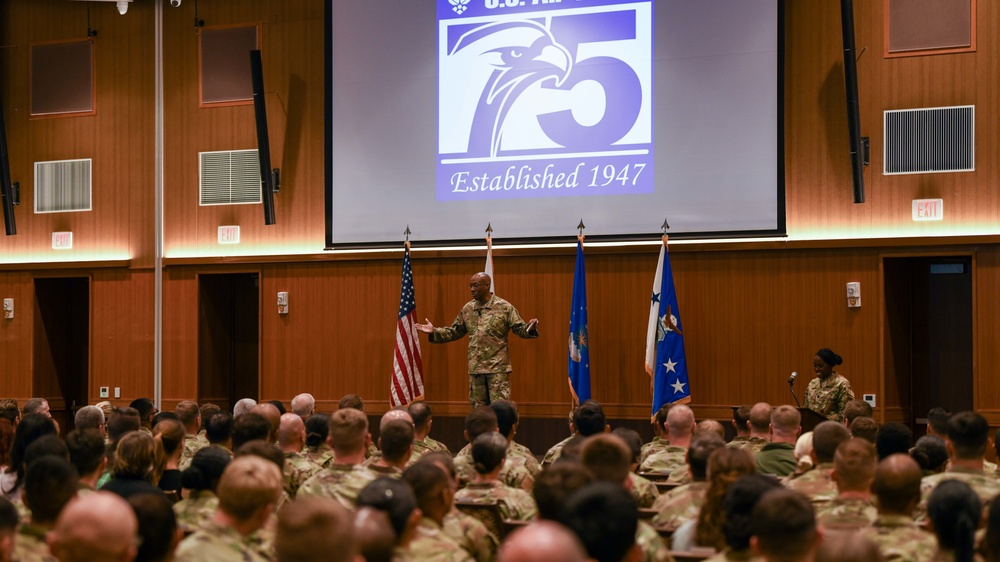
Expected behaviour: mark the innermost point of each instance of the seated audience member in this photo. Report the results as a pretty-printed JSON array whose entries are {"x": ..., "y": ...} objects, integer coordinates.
[
  {"x": 50, "y": 483},
  {"x": 784, "y": 527},
  {"x": 86, "y": 454},
  {"x": 854, "y": 409},
  {"x": 937, "y": 422},
  {"x": 423, "y": 420},
  {"x": 201, "y": 479},
  {"x": 219, "y": 430},
  {"x": 847, "y": 546},
  {"x": 711, "y": 426},
  {"x": 434, "y": 494},
  {"x": 346, "y": 476},
  {"x": 9, "y": 521},
  {"x": 123, "y": 422},
  {"x": 248, "y": 492},
  {"x": 89, "y": 417},
  {"x": 489, "y": 451},
  {"x": 741, "y": 423},
  {"x": 757, "y": 427},
  {"x": 968, "y": 433},
  {"x": 557, "y": 482},
  {"x": 660, "y": 440},
  {"x": 479, "y": 421},
  {"x": 272, "y": 414},
  {"x": 931, "y": 454},
  {"x": 642, "y": 489},
  {"x": 376, "y": 538},
  {"x": 355, "y": 402},
  {"x": 725, "y": 466},
  {"x": 865, "y": 428},
  {"x": 817, "y": 484},
  {"x": 38, "y": 406},
  {"x": 157, "y": 527},
  {"x": 396, "y": 446},
  {"x": 10, "y": 411},
  {"x": 46, "y": 445},
  {"x": 990, "y": 545},
  {"x": 609, "y": 459},
  {"x": 777, "y": 457},
  {"x": 304, "y": 405},
  {"x": 605, "y": 518},
  {"x": 671, "y": 460},
  {"x": 542, "y": 541},
  {"x": 470, "y": 533},
  {"x": 251, "y": 426},
  {"x": 146, "y": 410},
  {"x": 315, "y": 530},
  {"x": 803, "y": 454},
  {"x": 99, "y": 526},
  {"x": 737, "y": 505},
  {"x": 31, "y": 428},
  {"x": 954, "y": 510},
  {"x": 189, "y": 414},
  {"x": 317, "y": 450},
  {"x": 853, "y": 473},
  {"x": 897, "y": 488},
  {"x": 395, "y": 498},
  {"x": 134, "y": 470},
  {"x": 684, "y": 502},
  {"x": 892, "y": 438},
  {"x": 243, "y": 406},
  {"x": 585, "y": 420},
  {"x": 507, "y": 422},
  {"x": 108, "y": 408},
  {"x": 169, "y": 437},
  {"x": 279, "y": 406},
  {"x": 291, "y": 441}
]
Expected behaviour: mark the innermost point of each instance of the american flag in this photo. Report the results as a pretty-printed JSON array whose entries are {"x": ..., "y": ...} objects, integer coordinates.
[{"x": 407, "y": 383}]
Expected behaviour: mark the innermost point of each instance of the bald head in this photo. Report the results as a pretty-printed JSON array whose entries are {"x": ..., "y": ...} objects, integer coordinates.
[
  {"x": 542, "y": 541},
  {"x": 897, "y": 484},
  {"x": 291, "y": 433},
  {"x": 392, "y": 415},
  {"x": 374, "y": 534},
  {"x": 711, "y": 426},
  {"x": 271, "y": 413},
  {"x": 98, "y": 526},
  {"x": 760, "y": 419},
  {"x": 680, "y": 425}
]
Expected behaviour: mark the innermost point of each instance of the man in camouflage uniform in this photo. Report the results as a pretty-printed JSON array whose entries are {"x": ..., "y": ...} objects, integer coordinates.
[
  {"x": 422, "y": 441},
  {"x": 189, "y": 414},
  {"x": 487, "y": 319},
  {"x": 291, "y": 440},
  {"x": 315, "y": 528},
  {"x": 968, "y": 433},
  {"x": 817, "y": 484},
  {"x": 87, "y": 454},
  {"x": 355, "y": 402},
  {"x": 685, "y": 501},
  {"x": 99, "y": 526},
  {"x": 784, "y": 526},
  {"x": 605, "y": 518},
  {"x": 49, "y": 485},
  {"x": 661, "y": 441},
  {"x": 435, "y": 494},
  {"x": 470, "y": 533},
  {"x": 396, "y": 443},
  {"x": 853, "y": 473},
  {"x": 488, "y": 453},
  {"x": 507, "y": 420},
  {"x": 756, "y": 421},
  {"x": 672, "y": 460},
  {"x": 479, "y": 421},
  {"x": 778, "y": 456},
  {"x": 897, "y": 487},
  {"x": 345, "y": 478},
  {"x": 542, "y": 541},
  {"x": 248, "y": 492}
]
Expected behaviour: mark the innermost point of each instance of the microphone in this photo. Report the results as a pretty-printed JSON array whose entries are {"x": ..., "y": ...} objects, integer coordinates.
[
  {"x": 791, "y": 387},
  {"x": 791, "y": 379}
]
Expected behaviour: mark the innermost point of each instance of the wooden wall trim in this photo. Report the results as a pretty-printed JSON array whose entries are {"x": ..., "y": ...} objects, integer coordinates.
[{"x": 66, "y": 265}]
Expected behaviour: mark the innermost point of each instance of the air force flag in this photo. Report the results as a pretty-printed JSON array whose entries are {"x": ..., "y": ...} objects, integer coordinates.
[
  {"x": 665, "y": 361},
  {"x": 579, "y": 346}
]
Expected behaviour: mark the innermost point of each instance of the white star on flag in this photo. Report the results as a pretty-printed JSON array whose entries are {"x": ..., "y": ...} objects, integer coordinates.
[
  {"x": 670, "y": 365},
  {"x": 678, "y": 386}
]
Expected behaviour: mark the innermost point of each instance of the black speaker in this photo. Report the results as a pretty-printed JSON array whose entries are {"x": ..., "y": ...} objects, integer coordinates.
[
  {"x": 853, "y": 112},
  {"x": 7, "y": 190},
  {"x": 268, "y": 177}
]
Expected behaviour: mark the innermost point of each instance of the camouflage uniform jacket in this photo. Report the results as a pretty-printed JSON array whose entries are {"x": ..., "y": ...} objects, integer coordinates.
[
  {"x": 30, "y": 545},
  {"x": 816, "y": 484},
  {"x": 512, "y": 474},
  {"x": 195, "y": 511},
  {"x": 679, "y": 505},
  {"x": 529, "y": 461},
  {"x": 23, "y": 513},
  {"x": 471, "y": 535},
  {"x": 828, "y": 397},
  {"x": 776, "y": 458},
  {"x": 487, "y": 325},
  {"x": 655, "y": 446},
  {"x": 899, "y": 539},
  {"x": 431, "y": 543},
  {"x": 727, "y": 555},
  {"x": 217, "y": 543},
  {"x": 341, "y": 482},
  {"x": 192, "y": 444},
  {"x": 372, "y": 451},
  {"x": 846, "y": 513},
  {"x": 321, "y": 455},
  {"x": 986, "y": 487},
  {"x": 989, "y": 468},
  {"x": 554, "y": 452},
  {"x": 390, "y": 471},
  {"x": 644, "y": 491},
  {"x": 669, "y": 460},
  {"x": 514, "y": 503},
  {"x": 424, "y": 446},
  {"x": 298, "y": 469},
  {"x": 752, "y": 445},
  {"x": 652, "y": 545}
]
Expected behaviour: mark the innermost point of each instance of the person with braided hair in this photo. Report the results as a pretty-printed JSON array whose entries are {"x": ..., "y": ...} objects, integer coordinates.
[{"x": 829, "y": 392}]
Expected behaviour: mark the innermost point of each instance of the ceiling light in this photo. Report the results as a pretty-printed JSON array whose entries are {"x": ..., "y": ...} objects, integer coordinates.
[{"x": 122, "y": 6}]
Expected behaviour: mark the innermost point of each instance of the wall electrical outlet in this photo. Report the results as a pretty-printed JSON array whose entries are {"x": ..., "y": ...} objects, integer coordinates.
[
  {"x": 118, "y": 392},
  {"x": 104, "y": 392}
]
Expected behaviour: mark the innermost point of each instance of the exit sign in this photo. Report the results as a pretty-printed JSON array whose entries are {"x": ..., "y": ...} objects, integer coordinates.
[
  {"x": 229, "y": 235},
  {"x": 62, "y": 240},
  {"x": 928, "y": 209}
]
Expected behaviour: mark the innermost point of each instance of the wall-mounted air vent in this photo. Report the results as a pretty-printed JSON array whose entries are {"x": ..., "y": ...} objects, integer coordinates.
[
  {"x": 229, "y": 177},
  {"x": 936, "y": 139},
  {"x": 62, "y": 186}
]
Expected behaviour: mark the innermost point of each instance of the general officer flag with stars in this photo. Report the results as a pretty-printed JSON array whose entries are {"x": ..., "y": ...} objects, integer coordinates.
[
  {"x": 579, "y": 344},
  {"x": 665, "y": 360}
]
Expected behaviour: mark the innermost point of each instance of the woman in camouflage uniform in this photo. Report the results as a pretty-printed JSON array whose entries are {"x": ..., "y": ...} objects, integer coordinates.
[
  {"x": 201, "y": 480},
  {"x": 829, "y": 392}
]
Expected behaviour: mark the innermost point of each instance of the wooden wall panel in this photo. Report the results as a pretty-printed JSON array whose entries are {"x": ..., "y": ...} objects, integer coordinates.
[
  {"x": 122, "y": 333},
  {"x": 15, "y": 335}
]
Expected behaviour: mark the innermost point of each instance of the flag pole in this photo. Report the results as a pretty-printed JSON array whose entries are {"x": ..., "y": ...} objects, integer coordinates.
[
  {"x": 488, "y": 268},
  {"x": 406, "y": 237},
  {"x": 572, "y": 391}
]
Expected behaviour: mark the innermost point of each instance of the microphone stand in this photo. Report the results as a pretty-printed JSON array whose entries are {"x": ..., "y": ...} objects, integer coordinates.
[{"x": 791, "y": 388}]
